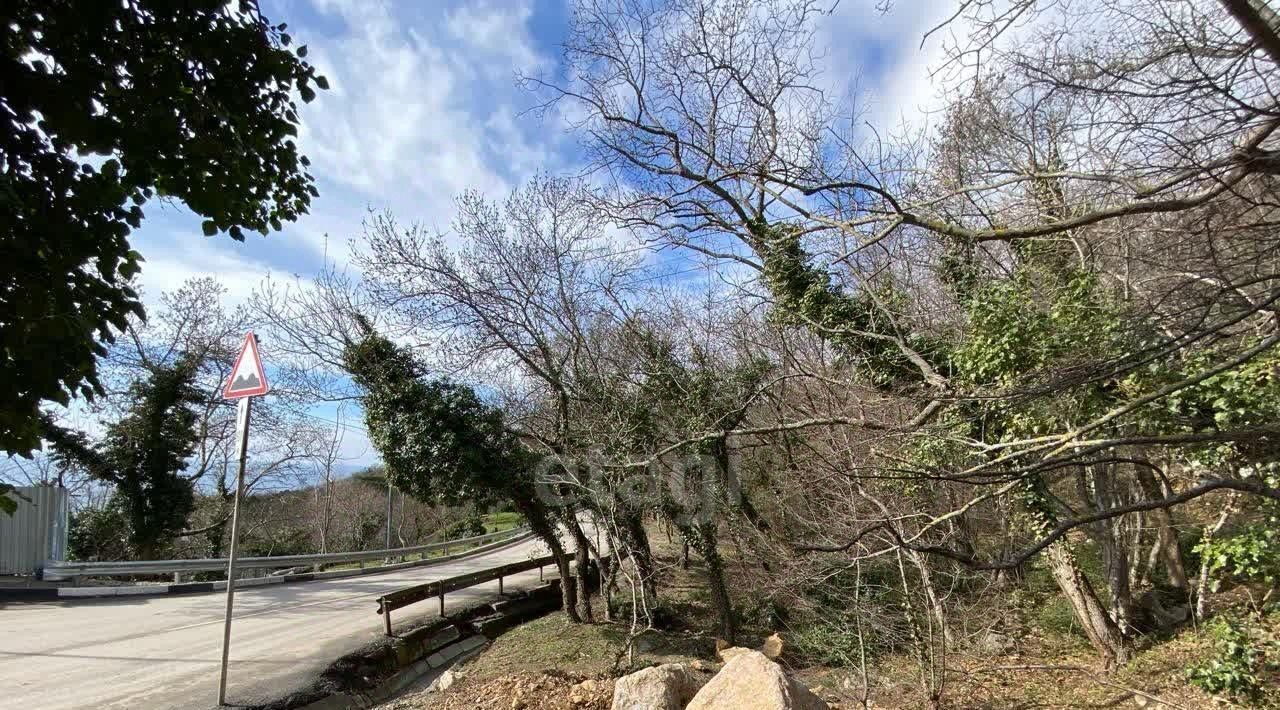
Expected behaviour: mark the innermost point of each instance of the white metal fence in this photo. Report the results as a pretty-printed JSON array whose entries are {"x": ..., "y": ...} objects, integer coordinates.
[
  {"x": 70, "y": 570},
  {"x": 36, "y": 533}
]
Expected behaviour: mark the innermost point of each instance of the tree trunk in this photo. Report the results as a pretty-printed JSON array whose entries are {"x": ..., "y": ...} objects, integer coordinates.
[
  {"x": 1203, "y": 583},
  {"x": 582, "y": 569},
  {"x": 1098, "y": 484},
  {"x": 1102, "y": 631},
  {"x": 606, "y": 570},
  {"x": 1166, "y": 535},
  {"x": 541, "y": 525},
  {"x": 931, "y": 596},
  {"x": 631, "y": 528},
  {"x": 704, "y": 537}
]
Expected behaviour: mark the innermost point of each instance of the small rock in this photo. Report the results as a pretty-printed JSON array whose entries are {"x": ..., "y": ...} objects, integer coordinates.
[
  {"x": 444, "y": 682},
  {"x": 583, "y": 693},
  {"x": 699, "y": 666},
  {"x": 772, "y": 648},
  {"x": 994, "y": 642}
]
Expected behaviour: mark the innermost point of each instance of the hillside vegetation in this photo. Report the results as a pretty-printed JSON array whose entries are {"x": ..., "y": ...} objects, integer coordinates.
[{"x": 978, "y": 409}]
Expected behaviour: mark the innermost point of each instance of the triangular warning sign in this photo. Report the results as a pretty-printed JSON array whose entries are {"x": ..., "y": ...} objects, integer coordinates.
[{"x": 247, "y": 377}]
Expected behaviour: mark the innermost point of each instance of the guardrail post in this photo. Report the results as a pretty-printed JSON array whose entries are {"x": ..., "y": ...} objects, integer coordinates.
[
  {"x": 499, "y": 583},
  {"x": 442, "y": 601},
  {"x": 177, "y": 578},
  {"x": 540, "y": 579},
  {"x": 386, "y": 615}
]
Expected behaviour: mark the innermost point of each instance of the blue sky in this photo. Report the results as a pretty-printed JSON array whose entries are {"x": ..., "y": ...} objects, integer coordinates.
[{"x": 424, "y": 103}]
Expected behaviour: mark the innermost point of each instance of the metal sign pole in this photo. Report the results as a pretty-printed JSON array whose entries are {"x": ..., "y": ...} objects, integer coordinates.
[
  {"x": 387, "y": 560},
  {"x": 242, "y": 438}
]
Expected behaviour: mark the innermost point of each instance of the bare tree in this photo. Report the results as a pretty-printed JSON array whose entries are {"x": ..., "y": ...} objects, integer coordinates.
[{"x": 1064, "y": 160}]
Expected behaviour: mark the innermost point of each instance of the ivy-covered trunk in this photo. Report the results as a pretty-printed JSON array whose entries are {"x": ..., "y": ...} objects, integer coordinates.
[
  {"x": 541, "y": 525},
  {"x": 582, "y": 569},
  {"x": 702, "y": 537},
  {"x": 636, "y": 539}
]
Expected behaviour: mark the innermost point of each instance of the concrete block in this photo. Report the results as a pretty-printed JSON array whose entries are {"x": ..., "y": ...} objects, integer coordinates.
[
  {"x": 406, "y": 652},
  {"x": 440, "y": 639},
  {"x": 438, "y": 659},
  {"x": 81, "y": 592},
  {"x": 445, "y": 655},
  {"x": 141, "y": 591}
]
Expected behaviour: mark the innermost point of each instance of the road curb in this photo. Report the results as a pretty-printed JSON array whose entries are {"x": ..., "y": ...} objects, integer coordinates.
[
  {"x": 367, "y": 678},
  {"x": 81, "y": 593}
]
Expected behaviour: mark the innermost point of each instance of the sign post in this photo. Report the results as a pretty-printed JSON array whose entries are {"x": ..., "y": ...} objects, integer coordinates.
[{"x": 248, "y": 380}]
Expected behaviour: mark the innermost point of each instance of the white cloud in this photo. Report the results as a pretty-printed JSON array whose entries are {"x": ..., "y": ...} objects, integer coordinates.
[
  {"x": 496, "y": 33},
  {"x": 409, "y": 112},
  {"x": 422, "y": 106},
  {"x": 171, "y": 262},
  {"x": 883, "y": 50}
]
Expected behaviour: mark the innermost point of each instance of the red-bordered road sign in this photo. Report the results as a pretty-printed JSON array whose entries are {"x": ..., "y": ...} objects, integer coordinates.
[{"x": 247, "y": 377}]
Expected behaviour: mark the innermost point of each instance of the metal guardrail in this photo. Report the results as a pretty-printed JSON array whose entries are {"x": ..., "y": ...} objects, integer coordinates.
[
  {"x": 67, "y": 570},
  {"x": 412, "y": 595}
]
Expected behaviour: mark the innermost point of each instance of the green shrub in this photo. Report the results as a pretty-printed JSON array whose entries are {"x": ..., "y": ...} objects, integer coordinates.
[
  {"x": 99, "y": 534},
  {"x": 1055, "y": 617},
  {"x": 1253, "y": 554},
  {"x": 831, "y": 642},
  {"x": 1242, "y": 656},
  {"x": 467, "y": 527}
]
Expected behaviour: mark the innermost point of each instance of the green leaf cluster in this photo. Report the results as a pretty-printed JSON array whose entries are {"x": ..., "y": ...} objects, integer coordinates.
[
  {"x": 105, "y": 106},
  {"x": 1242, "y": 656},
  {"x": 144, "y": 453},
  {"x": 438, "y": 440},
  {"x": 806, "y": 296}
]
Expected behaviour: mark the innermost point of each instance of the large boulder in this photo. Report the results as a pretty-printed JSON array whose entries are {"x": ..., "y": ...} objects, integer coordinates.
[
  {"x": 665, "y": 687},
  {"x": 750, "y": 681}
]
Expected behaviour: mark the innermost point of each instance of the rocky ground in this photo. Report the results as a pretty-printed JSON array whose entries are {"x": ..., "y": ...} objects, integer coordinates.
[{"x": 517, "y": 691}]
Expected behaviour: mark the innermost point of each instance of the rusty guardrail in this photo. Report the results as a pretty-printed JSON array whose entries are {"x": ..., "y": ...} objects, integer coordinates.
[{"x": 412, "y": 595}]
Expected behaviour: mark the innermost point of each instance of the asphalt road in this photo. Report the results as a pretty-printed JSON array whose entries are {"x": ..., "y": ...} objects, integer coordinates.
[{"x": 164, "y": 651}]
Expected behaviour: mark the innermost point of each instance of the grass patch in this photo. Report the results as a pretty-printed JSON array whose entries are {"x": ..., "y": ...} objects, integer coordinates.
[
  {"x": 550, "y": 643},
  {"x": 498, "y": 522}
]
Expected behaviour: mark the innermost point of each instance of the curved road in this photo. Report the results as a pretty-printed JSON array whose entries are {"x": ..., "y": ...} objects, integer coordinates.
[{"x": 164, "y": 651}]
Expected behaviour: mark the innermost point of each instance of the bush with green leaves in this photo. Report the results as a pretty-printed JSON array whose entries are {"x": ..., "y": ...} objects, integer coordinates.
[
  {"x": 99, "y": 534},
  {"x": 1252, "y": 553},
  {"x": 470, "y": 526},
  {"x": 1243, "y": 657}
]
